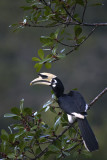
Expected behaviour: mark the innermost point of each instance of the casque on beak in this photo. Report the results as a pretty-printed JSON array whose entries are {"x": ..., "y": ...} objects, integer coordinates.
[{"x": 44, "y": 78}]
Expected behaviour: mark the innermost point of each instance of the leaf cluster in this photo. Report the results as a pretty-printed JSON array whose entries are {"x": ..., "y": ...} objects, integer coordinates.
[
  {"x": 32, "y": 138},
  {"x": 66, "y": 17}
]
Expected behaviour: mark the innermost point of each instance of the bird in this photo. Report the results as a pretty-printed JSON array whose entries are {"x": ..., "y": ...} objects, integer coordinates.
[{"x": 73, "y": 104}]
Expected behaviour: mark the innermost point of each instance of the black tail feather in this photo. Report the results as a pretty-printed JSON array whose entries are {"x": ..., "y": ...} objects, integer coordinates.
[{"x": 89, "y": 139}]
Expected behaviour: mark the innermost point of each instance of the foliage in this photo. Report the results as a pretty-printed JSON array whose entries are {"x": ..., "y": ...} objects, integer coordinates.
[
  {"x": 30, "y": 137},
  {"x": 65, "y": 18}
]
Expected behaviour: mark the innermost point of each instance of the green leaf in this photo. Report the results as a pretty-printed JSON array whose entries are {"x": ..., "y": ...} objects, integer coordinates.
[
  {"x": 11, "y": 138},
  {"x": 47, "y": 154},
  {"x": 57, "y": 123},
  {"x": 4, "y": 135},
  {"x": 66, "y": 153},
  {"x": 10, "y": 115},
  {"x": 56, "y": 33},
  {"x": 53, "y": 148},
  {"x": 28, "y": 111},
  {"x": 38, "y": 150},
  {"x": 11, "y": 155},
  {"x": 48, "y": 65},
  {"x": 17, "y": 135},
  {"x": 15, "y": 110},
  {"x": 54, "y": 50},
  {"x": 48, "y": 103},
  {"x": 48, "y": 44},
  {"x": 47, "y": 108},
  {"x": 52, "y": 110},
  {"x": 3, "y": 146},
  {"x": 10, "y": 129},
  {"x": 77, "y": 30},
  {"x": 35, "y": 59},
  {"x": 61, "y": 56},
  {"x": 17, "y": 127},
  {"x": 38, "y": 67},
  {"x": 41, "y": 53},
  {"x": 21, "y": 105},
  {"x": 64, "y": 118},
  {"x": 80, "y": 40}
]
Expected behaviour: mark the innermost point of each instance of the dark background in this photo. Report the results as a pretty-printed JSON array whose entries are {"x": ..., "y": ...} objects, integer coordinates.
[{"x": 85, "y": 69}]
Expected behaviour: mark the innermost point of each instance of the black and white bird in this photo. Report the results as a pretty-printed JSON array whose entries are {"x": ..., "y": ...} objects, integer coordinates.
[{"x": 73, "y": 104}]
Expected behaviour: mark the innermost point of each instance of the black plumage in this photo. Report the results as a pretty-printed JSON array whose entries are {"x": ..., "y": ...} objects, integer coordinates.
[
  {"x": 74, "y": 105},
  {"x": 72, "y": 102}
]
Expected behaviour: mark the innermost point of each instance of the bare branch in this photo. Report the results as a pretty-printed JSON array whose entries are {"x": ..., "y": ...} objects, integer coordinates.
[
  {"x": 84, "y": 10},
  {"x": 82, "y": 41},
  {"x": 66, "y": 45},
  {"x": 94, "y": 24},
  {"x": 66, "y": 129},
  {"x": 96, "y": 98}
]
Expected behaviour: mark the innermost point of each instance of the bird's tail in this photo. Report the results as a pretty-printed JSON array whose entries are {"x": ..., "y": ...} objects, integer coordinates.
[{"x": 89, "y": 139}]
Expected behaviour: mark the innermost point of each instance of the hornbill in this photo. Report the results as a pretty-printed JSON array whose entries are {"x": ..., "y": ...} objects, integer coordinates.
[{"x": 73, "y": 104}]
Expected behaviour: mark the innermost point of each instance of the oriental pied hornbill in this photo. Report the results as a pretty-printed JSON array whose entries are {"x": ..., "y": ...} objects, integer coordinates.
[{"x": 73, "y": 104}]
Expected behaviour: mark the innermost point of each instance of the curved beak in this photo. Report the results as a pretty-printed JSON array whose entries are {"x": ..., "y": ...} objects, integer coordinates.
[
  {"x": 40, "y": 80},
  {"x": 44, "y": 78}
]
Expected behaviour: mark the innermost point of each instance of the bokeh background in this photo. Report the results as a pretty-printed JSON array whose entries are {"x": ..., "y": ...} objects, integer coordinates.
[{"x": 85, "y": 69}]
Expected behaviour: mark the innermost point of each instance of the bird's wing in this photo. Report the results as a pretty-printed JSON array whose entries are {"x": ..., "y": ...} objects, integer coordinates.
[
  {"x": 72, "y": 103},
  {"x": 79, "y": 100}
]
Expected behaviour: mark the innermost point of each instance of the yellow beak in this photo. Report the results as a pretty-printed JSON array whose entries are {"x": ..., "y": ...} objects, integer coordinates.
[{"x": 44, "y": 78}]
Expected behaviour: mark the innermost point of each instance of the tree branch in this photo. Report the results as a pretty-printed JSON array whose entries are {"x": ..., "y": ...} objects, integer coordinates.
[
  {"x": 84, "y": 10},
  {"x": 96, "y": 98},
  {"x": 82, "y": 41},
  {"x": 66, "y": 129},
  {"x": 46, "y": 149}
]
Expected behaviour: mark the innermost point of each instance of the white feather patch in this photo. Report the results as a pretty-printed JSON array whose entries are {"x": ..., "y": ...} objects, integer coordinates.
[
  {"x": 78, "y": 115},
  {"x": 70, "y": 118},
  {"x": 85, "y": 146}
]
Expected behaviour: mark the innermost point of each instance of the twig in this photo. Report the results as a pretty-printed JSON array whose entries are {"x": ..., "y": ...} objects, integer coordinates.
[
  {"x": 70, "y": 16},
  {"x": 66, "y": 45},
  {"x": 88, "y": 35},
  {"x": 73, "y": 10},
  {"x": 43, "y": 26},
  {"x": 84, "y": 10},
  {"x": 66, "y": 129},
  {"x": 96, "y": 98},
  {"x": 93, "y": 24},
  {"x": 46, "y": 149},
  {"x": 82, "y": 41}
]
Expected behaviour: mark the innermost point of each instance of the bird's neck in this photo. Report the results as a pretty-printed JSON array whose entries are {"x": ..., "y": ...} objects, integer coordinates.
[
  {"x": 58, "y": 89},
  {"x": 58, "y": 93}
]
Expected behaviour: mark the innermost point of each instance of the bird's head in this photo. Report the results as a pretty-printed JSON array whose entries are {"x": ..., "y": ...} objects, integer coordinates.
[{"x": 50, "y": 80}]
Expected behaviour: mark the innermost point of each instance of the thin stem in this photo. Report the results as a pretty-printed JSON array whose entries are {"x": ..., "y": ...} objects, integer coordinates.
[
  {"x": 66, "y": 129},
  {"x": 70, "y": 15},
  {"x": 82, "y": 41},
  {"x": 66, "y": 45},
  {"x": 97, "y": 97},
  {"x": 84, "y": 10},
  {"x": 46, "y": 149}
]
